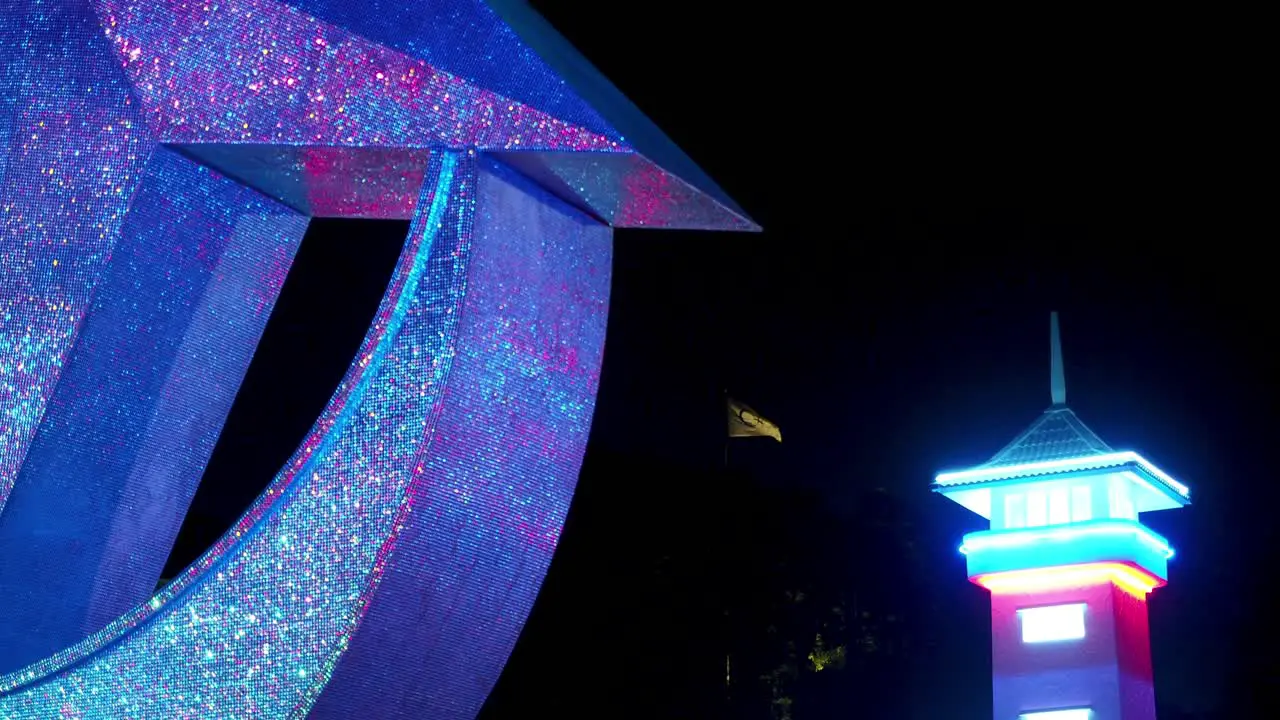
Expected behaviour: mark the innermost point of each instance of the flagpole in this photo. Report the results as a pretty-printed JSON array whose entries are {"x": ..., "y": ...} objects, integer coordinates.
[
  {"x": 740, "y": 422},
  {"x": 724, "y": 407},
  {"x": 728, "y": 604},
  {"x": 728, "y": 627},
  {"x": 728, "y": 668},
  {"x": 726, "y": 453}
]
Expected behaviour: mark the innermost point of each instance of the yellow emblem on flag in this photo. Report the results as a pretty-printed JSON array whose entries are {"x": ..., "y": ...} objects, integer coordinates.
[{"x": 745, "y": 422}]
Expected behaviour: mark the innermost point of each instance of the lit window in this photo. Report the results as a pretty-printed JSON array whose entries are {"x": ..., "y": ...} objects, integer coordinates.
[
  {"x": 1015, "y": 510},
  {"x": 1052, "y": 623},
  {"x": 1081, "y": 504},
  {"x": 1037, "y": 508},
  {"x": 1076, "y": 714},
  {"x": 1121, "y": 503},
  {"x": 1059, "y": 506}
]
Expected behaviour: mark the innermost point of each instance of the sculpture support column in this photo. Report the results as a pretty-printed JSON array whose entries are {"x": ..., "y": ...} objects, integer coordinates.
[
  {"x": 74, "y": 147},
  {"x": 436, "y": 480},
  {"x": 485, "y": 509},
  {"x": 141, "y": 400}
]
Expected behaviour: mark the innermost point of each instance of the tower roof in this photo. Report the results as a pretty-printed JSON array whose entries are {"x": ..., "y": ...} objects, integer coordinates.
[
  {"x": 1056, "y": 435},
  {"x": 1058, "y": 443}
]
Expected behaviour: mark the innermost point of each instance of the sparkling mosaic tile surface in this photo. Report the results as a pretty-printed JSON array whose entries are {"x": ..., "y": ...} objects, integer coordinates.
[
  {"x": 319, "y": 181},
  {"x": 9, "y": 66},
  {"x": 486, "y": 508},
  {"x": 143, "y": 394},
  {"x": 75, "y": 152},
  {"x": 254, "y": 627},
  {"x": 626, "y": 190},
  {"x": 420, "y": 514},
  {"x": 444, "y": 38},
  {"x": 260, "y": 71}
]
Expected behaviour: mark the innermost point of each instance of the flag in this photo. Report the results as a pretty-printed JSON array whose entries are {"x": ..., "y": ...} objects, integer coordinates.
[{"x": 745, "y": 422}]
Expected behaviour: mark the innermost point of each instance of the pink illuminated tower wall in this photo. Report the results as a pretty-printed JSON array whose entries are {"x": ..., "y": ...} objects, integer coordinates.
[{"x": 1069, "y": 565}]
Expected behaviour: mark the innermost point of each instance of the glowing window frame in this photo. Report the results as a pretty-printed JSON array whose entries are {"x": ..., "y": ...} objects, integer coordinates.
[
  {"x": 1052, "y": 623},
  {"x": 1081, "y": 502},
  {"x": 1069, "y": 714}
]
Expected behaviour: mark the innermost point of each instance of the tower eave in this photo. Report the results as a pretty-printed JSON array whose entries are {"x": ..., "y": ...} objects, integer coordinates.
[
  {"x": 1156, "y": 489},
  {"x": 976, "y": 497}
]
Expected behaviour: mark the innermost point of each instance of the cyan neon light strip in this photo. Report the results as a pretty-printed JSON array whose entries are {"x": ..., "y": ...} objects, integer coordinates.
[
  {"x": 1064, "y": 465},
  {"x": 1006, "y": 539}
]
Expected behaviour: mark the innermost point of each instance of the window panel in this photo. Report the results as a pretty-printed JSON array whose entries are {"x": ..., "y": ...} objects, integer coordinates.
[
  {"x": 1037, "y": 508},
  {"x": 1081, "y": 503},
  {"x": 1053, "y": 623},
  {"x": 1121, "y": 503},
  {"x": 1015, "y": 510},
  {"x": 1059, "y": 506}
]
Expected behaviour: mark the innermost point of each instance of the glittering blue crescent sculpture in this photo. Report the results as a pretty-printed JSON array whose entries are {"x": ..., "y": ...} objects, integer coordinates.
[{"x": 159, "y": 163}]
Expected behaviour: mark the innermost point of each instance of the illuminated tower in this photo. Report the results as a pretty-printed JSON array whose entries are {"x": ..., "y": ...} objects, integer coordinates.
[{"x": 1068, "y": 564}]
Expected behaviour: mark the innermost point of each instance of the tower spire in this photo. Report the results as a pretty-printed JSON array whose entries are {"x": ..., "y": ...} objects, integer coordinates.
[{"x": 1057, "y": 380}]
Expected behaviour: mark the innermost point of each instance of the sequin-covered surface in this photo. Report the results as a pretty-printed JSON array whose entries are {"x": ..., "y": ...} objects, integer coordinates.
[
  {"x": 263, "y": 72},
  {"x": 145, "y": 389},
  {"x": 250, "y": 629},
  {"x": 486, "y": 508},
  {"x": 159, "y": 161},
  {"x": 259, "y": 71},
  {"x": 75, "y": 153}
]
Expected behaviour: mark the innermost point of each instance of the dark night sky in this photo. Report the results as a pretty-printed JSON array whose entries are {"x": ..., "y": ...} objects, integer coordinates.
[{"x": 930, "y": 190}]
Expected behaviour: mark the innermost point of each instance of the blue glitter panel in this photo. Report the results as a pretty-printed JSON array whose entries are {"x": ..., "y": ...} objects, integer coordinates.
[
  {"x": 352, "y": 182},
  {"x": 254, "y": 627},
  {"x": 525, "y": 59},
  {"x": 259, "y": 71},
  {"x": 472, "y": 483},
  {"x": 650, "y": 143},
  {"x": 158, "y": 161},
  {"x": 142, "y": 398},
  {"x": 74, "y": 156},
  {"x": 9, "y": 64},
  {"x": 445, "y": 34},
  {"x": 486, "y": 508},
  {"x": 625, "y": 190}
]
